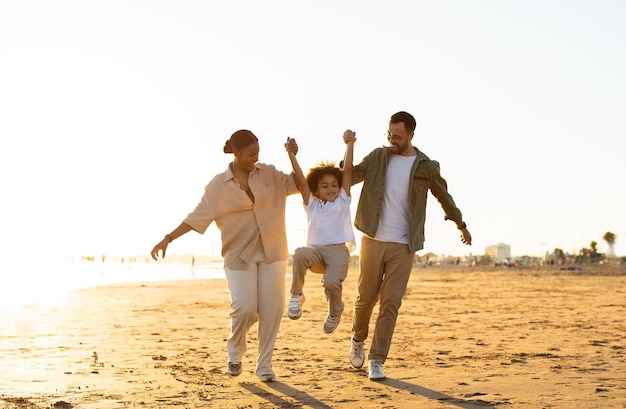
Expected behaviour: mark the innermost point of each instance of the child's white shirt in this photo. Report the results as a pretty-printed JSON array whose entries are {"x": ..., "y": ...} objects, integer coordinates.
[{"x": 330, "y": 222}]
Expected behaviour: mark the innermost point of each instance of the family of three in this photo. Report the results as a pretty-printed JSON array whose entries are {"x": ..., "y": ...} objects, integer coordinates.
[{"x": 247, "y": 202}]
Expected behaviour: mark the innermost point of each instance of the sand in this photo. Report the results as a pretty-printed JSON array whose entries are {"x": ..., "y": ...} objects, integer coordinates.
[{"x": 466, "y": 338}]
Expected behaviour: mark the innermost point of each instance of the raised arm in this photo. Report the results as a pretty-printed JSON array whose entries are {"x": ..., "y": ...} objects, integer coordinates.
[
  {"x": 292, "y": 147},
  {"x": 349, "y": 137}
]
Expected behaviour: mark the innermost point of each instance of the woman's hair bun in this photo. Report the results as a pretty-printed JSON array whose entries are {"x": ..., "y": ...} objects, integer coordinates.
[
  {"x": 240, "y": 140},
  {"x": 228, "y": 147}
]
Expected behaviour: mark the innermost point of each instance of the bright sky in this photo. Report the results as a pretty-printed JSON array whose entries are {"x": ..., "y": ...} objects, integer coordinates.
[{"x": 113, "y": 114}]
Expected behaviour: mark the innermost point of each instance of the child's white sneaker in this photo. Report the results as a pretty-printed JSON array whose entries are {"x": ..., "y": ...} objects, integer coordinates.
[
  {"x": 331, "y": 323},
  {"x": 295, "y": 306}
]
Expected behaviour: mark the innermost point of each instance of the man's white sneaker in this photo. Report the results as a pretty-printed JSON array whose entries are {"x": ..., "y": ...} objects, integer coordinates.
[
  {"x": 295, "y": 306},
  {"x": 331, "y": 323},
  {"x": 357, "y": 353},
  {"x": 376, "y": 370}
]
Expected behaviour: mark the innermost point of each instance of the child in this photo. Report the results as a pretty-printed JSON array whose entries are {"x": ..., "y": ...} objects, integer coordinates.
[{"x": 330, "y": 238}]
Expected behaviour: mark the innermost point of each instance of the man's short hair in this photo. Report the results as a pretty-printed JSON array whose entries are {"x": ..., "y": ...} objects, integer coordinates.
[{"x": 404, "y": 117}]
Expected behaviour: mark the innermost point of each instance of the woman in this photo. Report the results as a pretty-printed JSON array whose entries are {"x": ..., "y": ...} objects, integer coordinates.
[{"x": 247, "y": 202}]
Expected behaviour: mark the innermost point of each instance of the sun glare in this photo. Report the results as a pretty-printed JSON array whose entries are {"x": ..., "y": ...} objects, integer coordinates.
[
  {"x": 24, "y": 288},
  {"x": 42, "y": 283}
]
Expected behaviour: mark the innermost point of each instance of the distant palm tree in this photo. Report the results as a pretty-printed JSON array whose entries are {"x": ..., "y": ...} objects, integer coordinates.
[{"x": 610, "y": 239}]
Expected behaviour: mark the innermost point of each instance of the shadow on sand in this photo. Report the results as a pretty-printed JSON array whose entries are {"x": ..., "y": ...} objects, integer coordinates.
[
  {"x": 303, "y": 399},
  {"x": 438, "y": 396}
]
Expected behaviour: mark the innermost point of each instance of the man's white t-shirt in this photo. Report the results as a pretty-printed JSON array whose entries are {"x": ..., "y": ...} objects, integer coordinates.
[
  {"x": 393, "y": 225},
  {"x": 330, "y": 222}
]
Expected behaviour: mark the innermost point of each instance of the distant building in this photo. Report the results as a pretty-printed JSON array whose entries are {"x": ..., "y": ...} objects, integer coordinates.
[{"x": 498, "y": 251}]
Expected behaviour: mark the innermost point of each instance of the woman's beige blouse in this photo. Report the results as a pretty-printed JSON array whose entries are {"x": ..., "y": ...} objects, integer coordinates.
[{"x": 243, "y": 223}]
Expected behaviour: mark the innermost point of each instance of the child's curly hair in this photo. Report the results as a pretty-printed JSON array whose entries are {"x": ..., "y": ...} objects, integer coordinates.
[{"x": 322, "y": 169}]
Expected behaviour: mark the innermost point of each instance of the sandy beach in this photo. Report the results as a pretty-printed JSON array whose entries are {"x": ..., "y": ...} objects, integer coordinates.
[{"x": 466, "y": 338}]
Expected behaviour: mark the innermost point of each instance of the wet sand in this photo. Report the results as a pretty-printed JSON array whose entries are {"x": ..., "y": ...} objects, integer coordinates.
[{"x": 465, "y": 338}]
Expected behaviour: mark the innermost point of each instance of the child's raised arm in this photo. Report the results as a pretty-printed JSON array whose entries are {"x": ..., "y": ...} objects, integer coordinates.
[
  {"x": 299, "y": 178},
  {"x": 349, "y": 138}
]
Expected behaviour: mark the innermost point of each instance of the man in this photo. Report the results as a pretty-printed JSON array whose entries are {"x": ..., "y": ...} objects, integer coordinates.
[{"x": 391, "y": 214}]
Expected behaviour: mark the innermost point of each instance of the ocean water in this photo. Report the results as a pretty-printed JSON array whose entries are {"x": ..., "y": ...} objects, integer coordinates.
[
  {"x": 117, "y": 271},
  {"x": 27, "y": 282}
]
